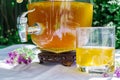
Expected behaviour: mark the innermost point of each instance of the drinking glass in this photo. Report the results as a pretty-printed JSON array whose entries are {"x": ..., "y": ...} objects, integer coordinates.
[{"x": 95, "y": 48}]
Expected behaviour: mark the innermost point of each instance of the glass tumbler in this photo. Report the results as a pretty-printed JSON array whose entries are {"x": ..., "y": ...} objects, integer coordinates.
[{"x": 95, "y": 48}]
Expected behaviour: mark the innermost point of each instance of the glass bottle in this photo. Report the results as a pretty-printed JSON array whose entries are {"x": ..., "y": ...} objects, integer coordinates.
[{"x": 54, "y": 22}]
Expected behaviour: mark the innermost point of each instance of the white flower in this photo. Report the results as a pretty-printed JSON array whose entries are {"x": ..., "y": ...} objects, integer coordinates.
[
  {"x": 110, "y": 24},
  {"x": 114, "y": 2}
]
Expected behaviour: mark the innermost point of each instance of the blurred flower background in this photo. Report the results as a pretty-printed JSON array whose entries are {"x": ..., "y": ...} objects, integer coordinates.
[{"x": 106, "y": 12}]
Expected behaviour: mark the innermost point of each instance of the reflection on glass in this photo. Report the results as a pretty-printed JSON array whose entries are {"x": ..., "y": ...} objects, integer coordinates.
[
  {"x": 95, "y": 49},
  {"x": 59, "y": 20}
]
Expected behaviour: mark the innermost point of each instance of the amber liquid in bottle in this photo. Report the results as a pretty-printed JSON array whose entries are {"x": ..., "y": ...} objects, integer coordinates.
[{"x": 59, "y": 20}]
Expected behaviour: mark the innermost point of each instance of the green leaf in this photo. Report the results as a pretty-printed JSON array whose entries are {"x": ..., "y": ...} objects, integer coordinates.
[{"x": 113, "y": 8}]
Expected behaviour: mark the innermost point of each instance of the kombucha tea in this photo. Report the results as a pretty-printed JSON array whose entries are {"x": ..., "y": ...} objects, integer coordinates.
[
  {"x": 59, "y": 19},
  {"x": 95, "y": 56}
]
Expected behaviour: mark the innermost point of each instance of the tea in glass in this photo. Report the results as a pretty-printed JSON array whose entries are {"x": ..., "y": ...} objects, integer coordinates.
[{"x": 95, "y": 49}]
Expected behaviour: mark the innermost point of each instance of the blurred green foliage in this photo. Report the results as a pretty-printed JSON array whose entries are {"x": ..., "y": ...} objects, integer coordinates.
[
  {"x": 9, "y": 11},
  {"x": 106, "y": 13}
]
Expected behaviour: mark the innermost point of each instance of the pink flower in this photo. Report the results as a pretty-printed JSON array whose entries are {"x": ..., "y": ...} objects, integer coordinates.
[{"x": 105, "y": 75}]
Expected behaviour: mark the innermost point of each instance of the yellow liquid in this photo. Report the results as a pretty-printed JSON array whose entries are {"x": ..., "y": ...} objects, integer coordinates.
[
  {"x": 95, "y": 56},
  {"x": 59, "y": 20}
]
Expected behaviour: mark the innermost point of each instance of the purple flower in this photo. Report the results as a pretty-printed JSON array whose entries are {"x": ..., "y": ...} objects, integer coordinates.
[
  {"x": 14, "y": 53},
  {"x": 12, "y": 58},
  {"x": 10, "y": 54},
  {"x": 8, "y": 61},
  {"x": 105, "y": 75},
  {"x": 20, "y": 59},
  {"x": 17, "y": 56},
  {"x": 117, "y": 72},
  {"x": 29, "y": 60},
  {"x": 25, "y": 61}
]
